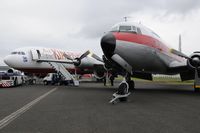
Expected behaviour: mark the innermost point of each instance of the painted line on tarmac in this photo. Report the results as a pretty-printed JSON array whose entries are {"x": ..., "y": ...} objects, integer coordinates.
[{"x": 8, "y": 119}]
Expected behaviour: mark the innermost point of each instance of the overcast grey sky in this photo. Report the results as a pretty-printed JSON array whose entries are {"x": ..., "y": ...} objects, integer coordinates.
[{"x": 79, "y": 25}]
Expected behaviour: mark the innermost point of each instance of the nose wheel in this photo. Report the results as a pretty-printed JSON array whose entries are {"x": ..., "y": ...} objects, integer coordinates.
[
  {"x": 131, "y": 84},
  {"x": 121, "y": 94}
]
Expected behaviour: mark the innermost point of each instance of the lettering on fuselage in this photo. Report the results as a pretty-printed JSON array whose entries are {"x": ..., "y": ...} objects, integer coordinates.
[
  {"x": 25, "y": 59},
  {"x": 59, "y": 55}
]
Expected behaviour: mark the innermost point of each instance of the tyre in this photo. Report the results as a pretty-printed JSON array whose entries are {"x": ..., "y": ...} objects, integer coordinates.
[
  {"x": 45, "y": 82},
  {"x": 131, "y": 85},
  {"x": 15, "y": 82},
  {"x": 123, "y": 89},
  {"x": 197, "y": 89},
  {"x": 59, "y": 83}
]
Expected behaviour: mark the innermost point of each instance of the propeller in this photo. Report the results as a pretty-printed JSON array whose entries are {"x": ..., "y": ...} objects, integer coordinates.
[
  {"x": 194, "y": 60},
  {"x": 91, "y": 54},
  {"x": 77, "y": 61}
]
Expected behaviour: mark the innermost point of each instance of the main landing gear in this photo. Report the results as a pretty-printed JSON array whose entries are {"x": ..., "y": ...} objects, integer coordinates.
[
  {"x": 197, "y": 81},
  {"x": 123, "y": 90}
]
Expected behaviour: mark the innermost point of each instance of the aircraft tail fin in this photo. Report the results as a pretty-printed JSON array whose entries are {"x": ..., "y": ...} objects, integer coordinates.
[{"x": 180, "y": 43}]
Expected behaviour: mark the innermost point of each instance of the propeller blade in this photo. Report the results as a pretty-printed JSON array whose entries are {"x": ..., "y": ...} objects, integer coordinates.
[
  {"x": 92, "y": 55},
  {"x": 97, "y": 57},
  {"x": 84, "y": 55}
]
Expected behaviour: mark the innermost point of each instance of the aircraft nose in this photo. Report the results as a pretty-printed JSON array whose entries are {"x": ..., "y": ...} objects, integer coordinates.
[
  {"x": 8, "y": 60},
  {"x": 108, "y": 44}
]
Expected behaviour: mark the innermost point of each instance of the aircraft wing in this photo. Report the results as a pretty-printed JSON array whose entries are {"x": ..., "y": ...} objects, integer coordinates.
[
  {"x": 175, "y": 66},
  {"x": 178, "y": 64},
  {"x": 179, "y": 67},
  {"x": 57, "y": 61}
]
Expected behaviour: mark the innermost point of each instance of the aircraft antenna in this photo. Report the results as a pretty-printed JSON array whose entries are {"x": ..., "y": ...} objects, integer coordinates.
[{"x": 126, "y": 18}]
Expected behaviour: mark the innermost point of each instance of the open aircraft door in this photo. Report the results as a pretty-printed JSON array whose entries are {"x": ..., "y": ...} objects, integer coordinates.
[{"x": 35, "y": 54}]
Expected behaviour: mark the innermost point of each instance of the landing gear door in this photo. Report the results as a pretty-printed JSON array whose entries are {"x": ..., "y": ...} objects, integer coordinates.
[{"x": 35, "y": 54}]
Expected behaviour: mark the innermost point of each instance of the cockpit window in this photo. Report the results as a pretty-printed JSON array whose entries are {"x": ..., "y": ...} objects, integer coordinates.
[
  {"x": 134, "y": 28},
  {"x": 18, "y": 53},
  {"x": 125, "y": 28},
  {"x": 155, "y": 34},
  {"x": 131, "y": 29},
  {"x": 14, "y": 52},
  {"x": 115, "y": 28},
  {"x": 139, "y": 31}
]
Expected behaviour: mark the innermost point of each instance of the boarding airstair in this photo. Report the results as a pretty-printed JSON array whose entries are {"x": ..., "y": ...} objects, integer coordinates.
[{"x": 60, "y": 68}]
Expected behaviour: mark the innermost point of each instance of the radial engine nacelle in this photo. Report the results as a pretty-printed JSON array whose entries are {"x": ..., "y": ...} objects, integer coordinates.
[
  {"x": 194, "y": 60},
  {"x": 99, "y": 71}
]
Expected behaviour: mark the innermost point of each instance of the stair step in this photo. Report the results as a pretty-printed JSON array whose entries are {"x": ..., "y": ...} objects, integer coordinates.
[{"x": 60, "y": 68}]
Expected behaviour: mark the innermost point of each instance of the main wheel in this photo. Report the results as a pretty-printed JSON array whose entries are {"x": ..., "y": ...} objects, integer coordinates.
[
  {"x": 15, "y": 82},
  {"x": 34, "y": 81},
  {"x": 131, "y": 84},
  {"x": 45, "y": 82},
  {"x": 196, "y": 89}
]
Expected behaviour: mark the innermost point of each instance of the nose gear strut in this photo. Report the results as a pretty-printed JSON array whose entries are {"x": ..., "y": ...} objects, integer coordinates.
[{"x": 123, "y": 90}]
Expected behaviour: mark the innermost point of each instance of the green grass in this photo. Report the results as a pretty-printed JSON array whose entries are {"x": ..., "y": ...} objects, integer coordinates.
[{"x": 166, "y": 80}]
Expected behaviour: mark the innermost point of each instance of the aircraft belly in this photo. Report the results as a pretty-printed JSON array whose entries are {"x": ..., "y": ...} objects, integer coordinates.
[{"x": 140, "y": 57}]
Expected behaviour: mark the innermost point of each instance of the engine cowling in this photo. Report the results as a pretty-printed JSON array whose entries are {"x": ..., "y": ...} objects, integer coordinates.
[
  {"x": 10, "y": 70},
  {"x": 99, "y": 72},
  {"x": 85, "y": 62},
  {"x": 194, "y": 60}
]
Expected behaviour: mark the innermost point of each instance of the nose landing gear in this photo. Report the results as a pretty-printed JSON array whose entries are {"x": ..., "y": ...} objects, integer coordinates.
[
  {"x": 121, "y": 94},
  {"x": 123, "y": 90}
]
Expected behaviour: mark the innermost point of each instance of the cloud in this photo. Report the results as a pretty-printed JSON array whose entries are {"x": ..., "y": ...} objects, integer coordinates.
[
  {"x": 99, "y": 16},
  {"x": 79, "y": 25}
]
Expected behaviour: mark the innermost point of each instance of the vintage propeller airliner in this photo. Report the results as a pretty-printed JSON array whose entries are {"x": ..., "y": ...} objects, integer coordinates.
[{"x": 134, "y": 50}]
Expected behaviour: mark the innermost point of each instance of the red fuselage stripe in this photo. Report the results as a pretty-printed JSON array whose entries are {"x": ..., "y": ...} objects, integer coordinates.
[
  {"x": 145, "y": 40},
  {"x": 141, "y": 39}
]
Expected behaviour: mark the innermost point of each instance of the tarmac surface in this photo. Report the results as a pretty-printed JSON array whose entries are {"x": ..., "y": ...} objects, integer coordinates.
[{"x": 151, "y": 108}]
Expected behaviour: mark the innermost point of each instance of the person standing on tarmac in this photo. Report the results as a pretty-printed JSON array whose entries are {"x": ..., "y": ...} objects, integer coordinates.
[
  {"x": 112, "y": 80},
  {"x": 104, "y": 81}
]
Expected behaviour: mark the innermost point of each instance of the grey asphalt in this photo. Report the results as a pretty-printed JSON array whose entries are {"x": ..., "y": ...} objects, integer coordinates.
[{"x": 152, "y": 108}]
